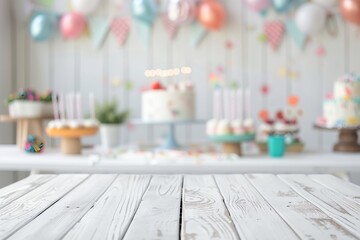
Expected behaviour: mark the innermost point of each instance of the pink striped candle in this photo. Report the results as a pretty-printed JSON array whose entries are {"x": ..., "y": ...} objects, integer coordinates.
[
  {"x": 78, "y": 106},
  {"x": 240, "y": 104}
]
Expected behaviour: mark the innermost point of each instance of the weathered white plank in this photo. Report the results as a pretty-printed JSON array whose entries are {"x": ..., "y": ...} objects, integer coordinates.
[
  {"x": 26, "y": 208},
  {"x": 307, "y": 220},
  {"x": 253, "y": 217},
  {"x": 18, "y": 189},
  {"x": 348, "y": 189},
  {"x": 204, "y": 215},
  {"x": 64, "y": 214},
  {"x": 158, "y": 216},
  {"x": 343, "y": 210},
  {"x": 114, "y": 210}
]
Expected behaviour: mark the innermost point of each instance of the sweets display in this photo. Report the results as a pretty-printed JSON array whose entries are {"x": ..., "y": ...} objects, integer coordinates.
[
  {"x": 285, "y": 123},
  {"x": 30, "y": 104},
  {"x": 342, "y": 107},
  {"x": 231, "y": 114}
]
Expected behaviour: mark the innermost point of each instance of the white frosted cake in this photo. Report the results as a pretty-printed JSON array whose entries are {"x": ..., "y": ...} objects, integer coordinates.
[
  {"x": 342, "y": 109},
  {"x": 173, "y": 103}
]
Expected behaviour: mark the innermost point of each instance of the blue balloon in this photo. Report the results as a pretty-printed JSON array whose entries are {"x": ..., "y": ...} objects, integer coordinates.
[
  {"x": 43, "y": 26},
  {"x": 144, "y": 10},
  {"x": 284, "y": 6}
]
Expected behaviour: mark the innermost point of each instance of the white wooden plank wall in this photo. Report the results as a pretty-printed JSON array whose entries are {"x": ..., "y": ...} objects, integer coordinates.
[{"x": 76, "y": 66}]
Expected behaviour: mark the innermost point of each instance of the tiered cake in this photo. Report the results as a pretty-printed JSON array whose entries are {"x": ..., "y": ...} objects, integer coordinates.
[
  {"x": 342, "y": 108},
  {"x": 176, "y": 102}
]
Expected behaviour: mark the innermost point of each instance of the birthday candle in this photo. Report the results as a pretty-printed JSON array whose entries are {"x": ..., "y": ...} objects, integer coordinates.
[
  {"x": 68, "y": 106},
  {"x": 62, "y": 106},
  {"x": 78, "y": 106},
  {"x": 247, "y": 103},
  {"x": 92, "y": 105},
  {"x": 239, "y": 98},
  {"x": 55, "y": 107}
]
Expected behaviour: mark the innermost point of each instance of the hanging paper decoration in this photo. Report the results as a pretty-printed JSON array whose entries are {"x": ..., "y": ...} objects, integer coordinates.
[
  {"x": 198, "y": 34},
  {"x": 211, "y": 14},
  {"x": 99, "y": 29},
  {"x": 287, "y": 73},
  {"x": 144, "y": 10},
  {"x": 120, "y": 27},
  {"x": 262, "y": 38},
  {"x": 264, "y": 89},
  {"x": 258, "y": 5},
  {"x": 297, "y": 35},
  {"x": 46, "y": 3},
  {"x": 170, "y": 27},
  {"x": 43, "y": 26},
  {"x": 229, "y": 45},
  {"x": 350, "y": 10},
  {"x": 264, "y": 115},
  {"x": 72, "y": 25},
  {"x": 85, "y": 7},
  {"x": 284, "y": 6},
  {"x": 115, "y": 82},
  {"x": 310, "y": 18},
  {"x": 181, "y": 11},
  {"x": 274, "y": 31},
  {"x": 129, "y": 86},
  {"x": 293, "y": 100},
  {"x": 320, "y": 52}
]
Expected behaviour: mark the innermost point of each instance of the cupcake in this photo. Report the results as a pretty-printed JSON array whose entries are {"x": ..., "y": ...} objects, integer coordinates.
[
  {"x": 223, "y": 128},
  {"x": 249, "y": 125},
  {"x": 211, "y": 127},
  {"x": 237, "y": 127}
]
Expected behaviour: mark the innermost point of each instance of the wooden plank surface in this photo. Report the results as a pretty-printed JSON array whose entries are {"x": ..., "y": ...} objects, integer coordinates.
[
  {"x": 347, "y": 189},
  {"x": 26, "y": 208},
  {"x": 253, "y": 217},
  {"x": 158, "y": 216},
  {"x": 204, "y": 215},
  {"x": 18, "y": 189},
  {"x": 115, "y": 210},
  {"x": 307, "y": 220},
  {"x": 57, "y": 220},
  {"x": 343, "y": 210}
]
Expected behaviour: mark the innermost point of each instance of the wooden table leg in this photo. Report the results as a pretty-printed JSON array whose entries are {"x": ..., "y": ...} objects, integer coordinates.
[
  {"x": 348, "y": 141},
  {"x": 70, "y": 146},
  {"x": 232, "y": 148}
]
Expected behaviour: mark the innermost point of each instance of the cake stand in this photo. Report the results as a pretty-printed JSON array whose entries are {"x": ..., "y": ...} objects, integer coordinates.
[
  {"x": 71, "y": 138},
  {"x": 232, "y": 143},
  {"x": 170, "y": 142},
  {"x": 348, "y": 138}
]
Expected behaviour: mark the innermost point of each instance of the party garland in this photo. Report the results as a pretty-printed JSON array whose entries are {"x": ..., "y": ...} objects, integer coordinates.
[{"x": 309, "y": 18}]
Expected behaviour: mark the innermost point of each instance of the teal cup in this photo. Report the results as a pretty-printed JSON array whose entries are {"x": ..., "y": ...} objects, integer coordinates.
[{"x": 276, "y": 146}]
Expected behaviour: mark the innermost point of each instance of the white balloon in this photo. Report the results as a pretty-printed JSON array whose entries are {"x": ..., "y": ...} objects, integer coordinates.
[
  {"x": 310, "y": 18},
  {"x": 85, "y": 6},
  {"x": 327, "y": 3}
]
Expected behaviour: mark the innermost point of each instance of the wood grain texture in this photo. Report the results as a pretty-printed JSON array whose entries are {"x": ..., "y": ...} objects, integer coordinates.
[
  {"x": 29, "y": 206},
  {"x": 343, "y": 210},
  {"x": 115, "y": 210},
  {"x": 307, "y": 220},
  {"x": 204, "y": 215},
  {"x": 57, "y": 220},
  {"x": 18, "y": 189},
  {"x": 253, "y": 217},
  {"x": 347, "y": 189},
  {"x": 158, "y": 216}
]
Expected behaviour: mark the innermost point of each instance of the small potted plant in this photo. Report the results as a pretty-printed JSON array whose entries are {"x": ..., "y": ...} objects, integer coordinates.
[
  {"x": 110, "y": 121},
  {"x": 47, "y": 108}
]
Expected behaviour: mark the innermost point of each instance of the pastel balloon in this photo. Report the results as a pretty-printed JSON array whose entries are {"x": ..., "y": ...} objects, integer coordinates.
[
  {"x": 310, "y": 18},
  {"x": 258, "y": 5},
  {"x": 85, "y": 7},
  {"x": 42, "y": 26},
  {"x": 144, "y": 10},
  {"x": 327, "y": 3},
  {"x": 211, "y": 14},
  {"x": 350, "y": 10},
  {"x": 181, "y": 11},
  {"x": 72, "y": 25}
]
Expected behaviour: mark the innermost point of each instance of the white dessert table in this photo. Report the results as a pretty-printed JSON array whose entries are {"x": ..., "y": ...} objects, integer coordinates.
[
  {"x": 255, "y": 206},
  {"x": 12, "y": 159}
]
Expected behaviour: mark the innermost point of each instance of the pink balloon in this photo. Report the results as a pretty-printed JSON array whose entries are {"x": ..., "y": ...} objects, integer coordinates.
[
  {"x": 258, "y": 5},
  {"x": 72, "y": 25}
]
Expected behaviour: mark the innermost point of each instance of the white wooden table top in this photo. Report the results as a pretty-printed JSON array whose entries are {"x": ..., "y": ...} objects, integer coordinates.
[
  {"x": 13, "y": 159},
  {"x": 255, "y": 206}
]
